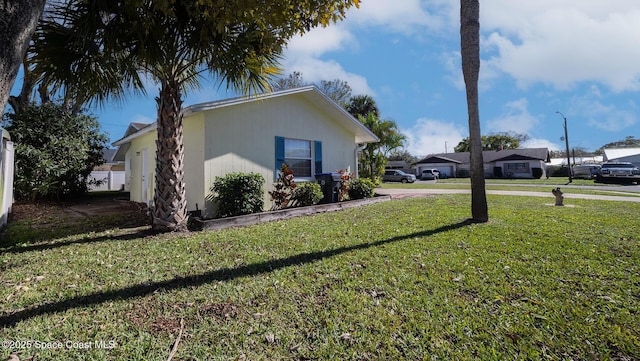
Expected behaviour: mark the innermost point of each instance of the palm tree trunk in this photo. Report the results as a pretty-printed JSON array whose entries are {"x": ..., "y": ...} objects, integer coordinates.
[
  {"x": 470, "y": 50},
  {"x": 18, "y": 20},
  {"x": 169, "y": 200}
]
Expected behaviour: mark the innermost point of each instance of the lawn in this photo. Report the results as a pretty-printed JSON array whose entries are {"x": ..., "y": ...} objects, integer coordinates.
[{"x": 406, "y": 279}]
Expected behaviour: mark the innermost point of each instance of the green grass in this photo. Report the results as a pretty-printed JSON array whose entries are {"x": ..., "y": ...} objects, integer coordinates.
[{"x": 406, "y": 279}]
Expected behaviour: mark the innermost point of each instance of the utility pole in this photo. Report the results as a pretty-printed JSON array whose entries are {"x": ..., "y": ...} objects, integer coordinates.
[{"x": 566, "y": 141}]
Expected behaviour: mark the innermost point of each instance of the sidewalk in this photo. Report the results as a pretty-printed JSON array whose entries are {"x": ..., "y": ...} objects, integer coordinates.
[{"x": 397, "y": 193}]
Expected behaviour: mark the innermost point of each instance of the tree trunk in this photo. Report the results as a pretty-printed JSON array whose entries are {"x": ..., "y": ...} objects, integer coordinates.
[
  {"x": 169, "y": 200},
  {"x": 470, "y": 50},
  {"x": 18, "y": 20}
]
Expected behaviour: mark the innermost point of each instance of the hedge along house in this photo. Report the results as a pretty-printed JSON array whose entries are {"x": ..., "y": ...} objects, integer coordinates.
[
  {"x": 508, "y": 163},
  {"x": 302, "y": 127},
  {"x": 6, "y": 175}
]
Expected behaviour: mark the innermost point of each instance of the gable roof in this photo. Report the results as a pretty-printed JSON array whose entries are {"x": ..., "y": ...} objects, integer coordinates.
[
  {"x": 490, "y": 156},
  {"x": 616, "y": 153},
  {"x": 310, "y": 93}
]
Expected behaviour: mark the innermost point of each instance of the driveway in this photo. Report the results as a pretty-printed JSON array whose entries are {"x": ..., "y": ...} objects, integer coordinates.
[{"x": 397, "y": 193}]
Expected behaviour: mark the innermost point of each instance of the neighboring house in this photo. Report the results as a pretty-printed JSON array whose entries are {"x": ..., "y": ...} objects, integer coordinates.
[
  {"x": 302, "y": 127},
  {"x": 400, "y": 165},
  {"x": 508, "y": 163},
  {"x": 622, "y": 155},
  {"x": 6, "y": 176},
  {"x": 111, "y": 174}
]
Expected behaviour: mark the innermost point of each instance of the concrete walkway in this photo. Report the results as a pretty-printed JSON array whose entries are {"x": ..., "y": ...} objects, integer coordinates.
[{"x": 397, "y": 193}]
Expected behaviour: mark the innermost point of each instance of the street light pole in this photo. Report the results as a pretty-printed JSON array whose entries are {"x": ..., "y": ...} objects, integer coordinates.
[{"x": 566, "y": 141}]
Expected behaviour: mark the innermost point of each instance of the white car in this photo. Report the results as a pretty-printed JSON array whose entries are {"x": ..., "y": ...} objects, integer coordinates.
[{"x": 619, "y": 171}]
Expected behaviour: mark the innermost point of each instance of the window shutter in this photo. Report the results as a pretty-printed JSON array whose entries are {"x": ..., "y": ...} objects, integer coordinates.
[
  {"x": 318, "y": 156},
  {"x": 279, "y": 155}
]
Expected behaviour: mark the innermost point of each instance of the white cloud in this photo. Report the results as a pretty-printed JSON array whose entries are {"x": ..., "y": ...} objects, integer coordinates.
[
  {"x": 540, "y": 143},
  {"x": 516, "y": 118},
  {"x": 314, "y": 70},
  {"x": 429, "y": 136},
  {"x": 564, "y": 42},
  {"x": 406, "y": 16},
  {"x": 592, "y": 107}
]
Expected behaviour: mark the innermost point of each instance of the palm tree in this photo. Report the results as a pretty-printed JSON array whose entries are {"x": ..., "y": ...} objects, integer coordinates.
[
  {"x": 18, "y": 20},
  {"x": 174, "y": 42},
  {"x": 470, "y": 50},
  {"x": 362, "y": 105},
  {"x": 374, "y": 156}
]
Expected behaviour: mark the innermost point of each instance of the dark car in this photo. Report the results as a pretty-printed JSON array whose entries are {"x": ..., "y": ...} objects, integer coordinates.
[{"x": 394, "y": 175}]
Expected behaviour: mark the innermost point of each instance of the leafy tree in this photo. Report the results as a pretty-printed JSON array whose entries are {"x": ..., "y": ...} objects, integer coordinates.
[
  {"x": 373, "y": 157},
  {"x": 293, "y": 80},
  {"x": 18, "y": 20},
  {"x": 470, "y": 51},
  {"x": 403, "y": 155},
  {"x": 628, "y": 142},
  {"x": 495, "y": 141},
  {"x": 174, "y": 42},
  {"x": 338, "y": 90},
  {"x": 55, "y": 151},
  {"x": 362, "y": 105}
]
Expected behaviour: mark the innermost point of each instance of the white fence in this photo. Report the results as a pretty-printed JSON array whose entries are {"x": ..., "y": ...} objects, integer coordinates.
[
  {"x": 6, "y": 180},
  {"x": 110, "y": 180}
]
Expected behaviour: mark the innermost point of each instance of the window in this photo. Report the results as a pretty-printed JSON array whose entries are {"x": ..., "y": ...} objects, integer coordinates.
[
  {"x": 297, "y": 155},
  {"x": 304, "y": 157},
  {"x": 517, "y": 167}
]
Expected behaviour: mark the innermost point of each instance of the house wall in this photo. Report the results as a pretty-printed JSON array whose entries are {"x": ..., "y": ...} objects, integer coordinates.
[
  {"x": 526, "y": 172},
  {"x": 242, "y": 139},
  {"x": 134, "y": 157}
]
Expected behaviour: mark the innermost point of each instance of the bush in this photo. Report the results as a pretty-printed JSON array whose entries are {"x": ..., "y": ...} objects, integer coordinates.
[
  {"x": 283, "y": 189},
  {"x": 55, "y": 151},
  {"x": 361, "y": 188},
  {"x": 536, "y": 172},
  {"x": 237, "y": 194},
  {"x": 307, "y": 194}
]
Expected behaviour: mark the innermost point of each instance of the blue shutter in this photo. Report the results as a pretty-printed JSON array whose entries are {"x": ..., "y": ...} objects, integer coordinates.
[
  {"x": 318, "y": 156},
  {"x": 279, "y": 155}
]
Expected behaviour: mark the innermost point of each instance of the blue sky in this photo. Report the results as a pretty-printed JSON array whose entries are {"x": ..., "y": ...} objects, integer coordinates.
[{"x": 581, "y": 58}]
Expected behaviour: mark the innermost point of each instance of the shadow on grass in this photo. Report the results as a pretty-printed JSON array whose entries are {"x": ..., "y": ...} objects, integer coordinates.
[
  {"x": 225, "y": 274},
  {"x": 54, "y": 244}
]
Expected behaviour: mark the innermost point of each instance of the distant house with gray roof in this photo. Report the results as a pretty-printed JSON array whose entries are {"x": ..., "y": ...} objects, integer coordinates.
[{"x": 508, "y": 163}]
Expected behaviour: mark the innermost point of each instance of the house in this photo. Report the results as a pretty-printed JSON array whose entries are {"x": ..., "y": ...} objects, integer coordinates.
[
  {"x": 6, "y": 176},
  {"x": 302, "y": 127},
  {"x": 110, "y": 174},
  {"x": 622, "y": 155},
  {"x": 508, "y": 163}
]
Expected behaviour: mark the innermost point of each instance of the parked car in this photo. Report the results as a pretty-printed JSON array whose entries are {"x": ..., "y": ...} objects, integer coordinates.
[
  {"x": 430, "y": 174},
  {"x": 619, "y": 171},
  {"x": 586, "y": 171},
  {"x": 394, "y": 175}
]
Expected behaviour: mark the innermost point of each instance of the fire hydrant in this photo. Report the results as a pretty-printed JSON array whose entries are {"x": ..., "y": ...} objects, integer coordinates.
[{"x": 559, "y": 197}]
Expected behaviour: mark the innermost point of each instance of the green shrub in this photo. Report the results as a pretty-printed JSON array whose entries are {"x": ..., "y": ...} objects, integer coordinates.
[
  {"x": 307, "y": 194},
  {"x": 237, "y": 194},
  {"x": 361, "y": 188},
  {"x": 283, "y": 189}
]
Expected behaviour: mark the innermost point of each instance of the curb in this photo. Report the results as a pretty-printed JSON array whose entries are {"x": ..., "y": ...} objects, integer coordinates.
[{"x": 251, "y": 219}]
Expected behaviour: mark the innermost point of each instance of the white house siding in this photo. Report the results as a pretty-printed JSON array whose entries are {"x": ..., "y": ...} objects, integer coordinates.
[
  {"x": 144, "y": 142},
  {"x": 527, "y": 172},
  {"x": 242, "y": 139}
]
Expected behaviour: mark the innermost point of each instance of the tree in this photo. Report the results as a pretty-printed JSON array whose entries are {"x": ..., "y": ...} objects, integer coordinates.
[
  {"x": 174, "y": 42},
  {"x": 470, "y": 51},
  {"x": 628, "y": 142},
  {"x": 18, "y": 20},
  {"x": 362, "y": 105},
  {"x": 338, "y": 90},
  {"x": 495, "y": 141},
  {"x": 403, "y": 155},
  {"x": 373, "y": 157},
  {"x": 55, "y": 151},
  {"x": 294, "y": 80}
]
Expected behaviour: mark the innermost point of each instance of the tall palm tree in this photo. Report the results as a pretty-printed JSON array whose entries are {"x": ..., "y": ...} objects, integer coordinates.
[
  {"x": 470, "y": 50},
  {"x": 374, "y": 156},
  {"x": 174, "y": 42},
  {"x": 18, "y": 20},
  {"x": 362, "y": 105}
]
